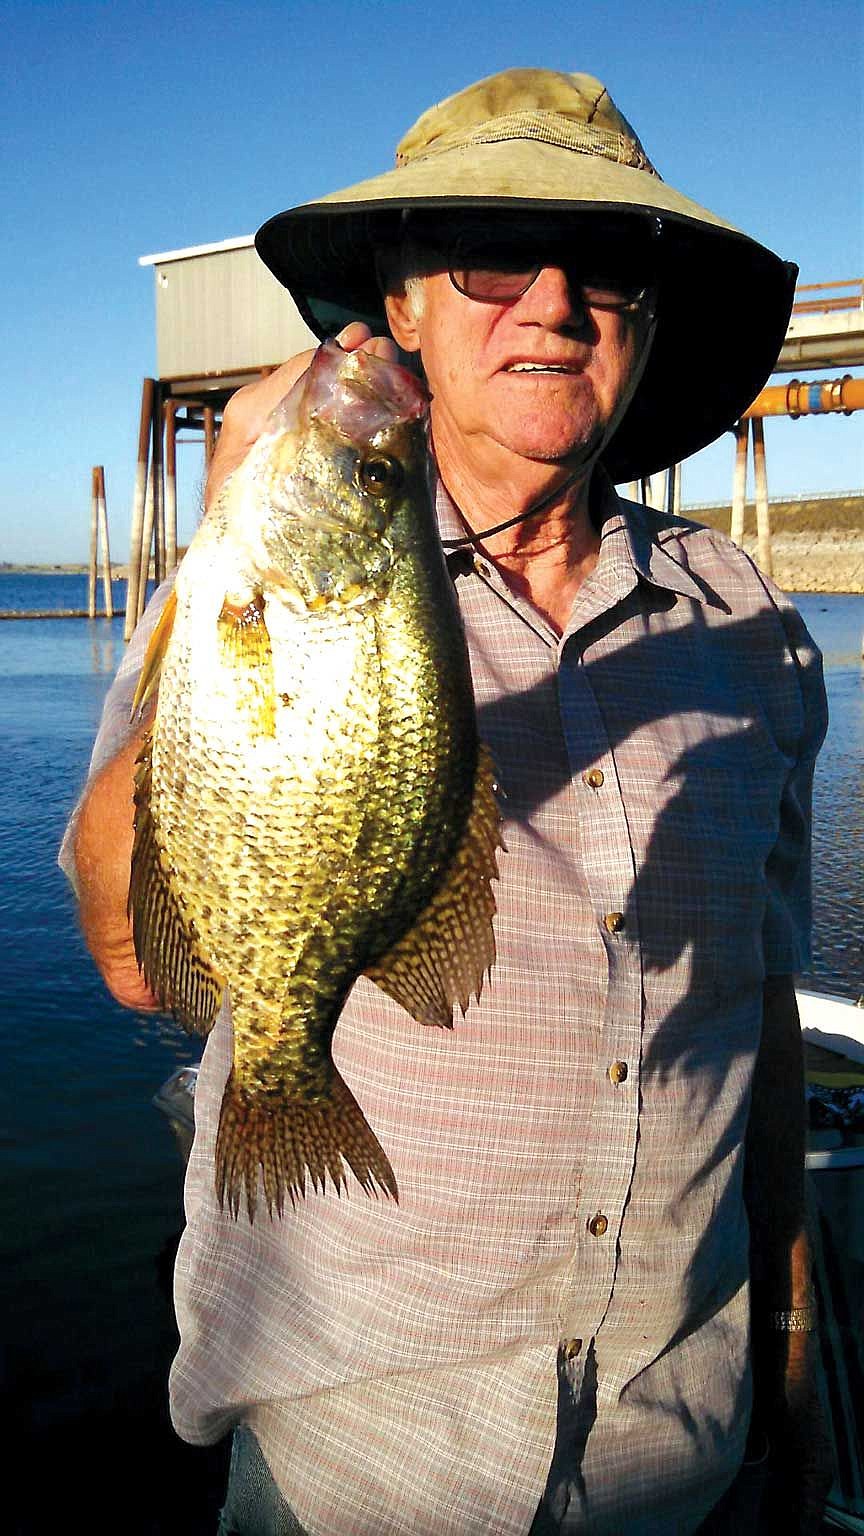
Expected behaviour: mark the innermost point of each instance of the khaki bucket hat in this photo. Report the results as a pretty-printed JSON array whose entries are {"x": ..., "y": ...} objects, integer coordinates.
[{"x": 538, "y": 141}]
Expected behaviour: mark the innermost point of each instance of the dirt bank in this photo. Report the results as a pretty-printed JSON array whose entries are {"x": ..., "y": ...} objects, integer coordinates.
[{"x": 816, "y": 546}]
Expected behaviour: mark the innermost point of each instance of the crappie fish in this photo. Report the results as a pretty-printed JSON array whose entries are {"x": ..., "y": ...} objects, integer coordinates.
[{"x": 312, "y": 801}]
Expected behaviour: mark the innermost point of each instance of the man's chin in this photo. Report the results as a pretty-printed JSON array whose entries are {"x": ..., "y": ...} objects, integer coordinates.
[{"x": 568, "y": 450}]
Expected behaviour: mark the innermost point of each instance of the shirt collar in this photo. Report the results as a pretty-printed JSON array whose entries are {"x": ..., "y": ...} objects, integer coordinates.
[
  {"x": 631, "y": 546},
  {"x": 630, "y": 537}
]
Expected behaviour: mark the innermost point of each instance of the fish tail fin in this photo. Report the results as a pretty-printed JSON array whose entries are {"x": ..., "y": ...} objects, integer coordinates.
[{"x": 287, "y": 1140}]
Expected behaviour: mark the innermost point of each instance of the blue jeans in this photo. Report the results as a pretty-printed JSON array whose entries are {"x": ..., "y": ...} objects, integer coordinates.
[{"x": 253, "y": 1504}]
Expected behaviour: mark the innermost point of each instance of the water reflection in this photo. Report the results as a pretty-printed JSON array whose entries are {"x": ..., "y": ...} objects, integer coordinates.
[{"x": 106, "y": 647}]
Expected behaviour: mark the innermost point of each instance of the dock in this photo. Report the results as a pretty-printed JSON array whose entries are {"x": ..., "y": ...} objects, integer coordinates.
[{"x": 54, "y": 613}]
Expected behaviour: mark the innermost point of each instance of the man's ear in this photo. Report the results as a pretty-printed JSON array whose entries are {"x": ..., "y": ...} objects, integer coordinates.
[{"x": 402, "y": 321}]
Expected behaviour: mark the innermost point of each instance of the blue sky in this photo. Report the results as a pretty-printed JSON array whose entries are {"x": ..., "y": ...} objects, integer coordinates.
[{"x": 135, "y": 128}]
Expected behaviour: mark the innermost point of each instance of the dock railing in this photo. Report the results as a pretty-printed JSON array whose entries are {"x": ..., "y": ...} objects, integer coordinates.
[{"x": 830, "y": 298}]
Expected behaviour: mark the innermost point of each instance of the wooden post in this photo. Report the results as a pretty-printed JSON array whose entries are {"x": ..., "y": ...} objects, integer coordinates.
[
  {"x": 763, "y": 523},
  {"x": 94, "y": 526},
  {"x": 138, "y": 507},
  {"x": 657, "y": 489},
  {"x": 106, "y": 548},
  {"x": 171, "y": 484},
  {"x": 676, "y": 490},
  {"x": 209, "y": 435},
  {"x": 739, "y": 482},
  {"x": 146, "y": 546},
  {"x": 158, "y": 488}
]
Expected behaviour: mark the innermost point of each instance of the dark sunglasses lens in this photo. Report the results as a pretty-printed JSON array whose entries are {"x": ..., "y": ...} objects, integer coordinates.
[
  {"x": 609, "y": 274},
  {"x": 493, "y": 268},
  {"x": 605, "y": 292}
]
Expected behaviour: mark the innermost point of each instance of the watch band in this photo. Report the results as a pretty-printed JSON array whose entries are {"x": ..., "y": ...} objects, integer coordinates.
[{"x": 794, "y": 1320}]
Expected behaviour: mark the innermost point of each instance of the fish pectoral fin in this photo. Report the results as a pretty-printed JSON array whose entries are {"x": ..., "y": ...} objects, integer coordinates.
[
  {"x": 449, "y": 951},
  {"x": 169, "y": 957},
  {"x": 154, "y": 656},
  {"x": 244, "y": 641},
  {"x": 287, "y": 1137}
]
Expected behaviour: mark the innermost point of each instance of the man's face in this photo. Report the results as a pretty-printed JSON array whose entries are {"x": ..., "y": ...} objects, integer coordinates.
[{"x": 544, "y": 376}]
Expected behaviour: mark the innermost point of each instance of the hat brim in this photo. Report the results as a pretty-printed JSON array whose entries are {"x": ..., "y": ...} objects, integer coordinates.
[{"x": 724, "y": 299}]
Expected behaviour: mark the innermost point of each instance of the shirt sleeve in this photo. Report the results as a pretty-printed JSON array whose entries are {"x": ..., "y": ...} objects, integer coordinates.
[
  {"x": 787, "y": 925},
  {"x": 116, "y": 725}
]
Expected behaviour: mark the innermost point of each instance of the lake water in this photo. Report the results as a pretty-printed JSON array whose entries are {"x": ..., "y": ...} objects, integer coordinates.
[{"x": 90, "y": 1198}]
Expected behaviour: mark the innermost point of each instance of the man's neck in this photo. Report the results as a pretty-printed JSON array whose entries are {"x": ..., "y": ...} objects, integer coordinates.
[{"x": 546, "y": 557}]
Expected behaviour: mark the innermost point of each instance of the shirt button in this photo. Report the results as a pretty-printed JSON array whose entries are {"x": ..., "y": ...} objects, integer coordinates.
[
  {"x": 598, "y": 1225},
  {"x": 618, "y": 1072},
  {"x": 572, "y": 1348},
  {"x": 482, "y": 569},
  {"x": 614, "y": 921},
  {"x": 594, "y": 778}
]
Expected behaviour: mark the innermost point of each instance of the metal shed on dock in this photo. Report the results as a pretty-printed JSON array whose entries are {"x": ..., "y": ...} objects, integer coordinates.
[
  {"x": 221, "y": 320},
  {"x": 221, "y": 316}
]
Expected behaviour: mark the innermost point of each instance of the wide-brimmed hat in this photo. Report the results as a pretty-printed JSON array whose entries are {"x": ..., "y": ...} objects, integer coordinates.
[{"x": 536, "y": 141}]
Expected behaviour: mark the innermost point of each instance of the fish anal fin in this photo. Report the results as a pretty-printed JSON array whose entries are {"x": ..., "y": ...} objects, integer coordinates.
[
  {"x": 244, "y": 641},
  {"x": 449, "y": 951},
  {"x": 169, "y": 958},
  {"x": 287, "y": 1139},
  {"x": 154, "y": 656}
]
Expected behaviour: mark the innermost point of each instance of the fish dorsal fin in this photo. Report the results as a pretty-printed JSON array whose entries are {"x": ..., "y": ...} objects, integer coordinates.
[
  {"x": 170, "y": 960},
  {"x": 444, "y": 958},
  {"x": 154, "y": 656}
]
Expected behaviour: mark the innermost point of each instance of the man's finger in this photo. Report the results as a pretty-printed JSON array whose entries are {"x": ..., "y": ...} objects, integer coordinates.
[{"x": 356, "y": 335}]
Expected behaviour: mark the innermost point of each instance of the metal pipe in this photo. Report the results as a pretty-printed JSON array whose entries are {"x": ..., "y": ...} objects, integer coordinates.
[
  {"x": 171, "y": 483},
  {"x": 798, "y": 398},
  {"x": 94, "y": 525},
  {"x": 739, "y": 481},
  {"x": 763, "y": 523},
  {"x": 139, "y": 497},
  {"x": 107, "y": 591}
]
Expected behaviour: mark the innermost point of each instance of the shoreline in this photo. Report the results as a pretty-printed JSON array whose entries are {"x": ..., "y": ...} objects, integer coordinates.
[{"x": 817, "y": 544}]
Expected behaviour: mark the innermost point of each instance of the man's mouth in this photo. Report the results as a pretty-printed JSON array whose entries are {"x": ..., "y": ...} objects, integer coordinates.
[{"x": 541, "y": 368}]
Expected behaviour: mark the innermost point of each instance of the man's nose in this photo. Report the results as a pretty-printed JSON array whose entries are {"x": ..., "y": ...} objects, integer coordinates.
[{"x": 553, "y": 299}]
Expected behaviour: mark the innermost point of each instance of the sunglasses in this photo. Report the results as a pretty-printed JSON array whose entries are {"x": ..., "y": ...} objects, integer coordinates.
[{"x": 499, "y": 266}]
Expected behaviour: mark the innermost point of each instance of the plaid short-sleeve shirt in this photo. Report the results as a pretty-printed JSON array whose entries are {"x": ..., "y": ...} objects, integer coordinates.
[{"x": 570, "y": 1155}]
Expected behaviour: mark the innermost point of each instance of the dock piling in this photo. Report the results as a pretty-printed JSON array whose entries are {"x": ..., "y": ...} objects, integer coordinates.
[
  {"x": 157, "y": 472},
  {"x": 739, "y": 481},
  {"x": 138, "y": 508},
  {"x": 763, "y": 524},
  {"x": 171, "y": 483},
  {"x": 94, "y": 534},
  {"x": 209, "y": 435},
  {"x": 102, "y": 518},
  {"x": 99, "y": 540}
]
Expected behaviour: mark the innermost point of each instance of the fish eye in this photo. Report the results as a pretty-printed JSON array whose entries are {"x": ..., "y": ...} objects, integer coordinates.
[{"x": 379, "y": 474}]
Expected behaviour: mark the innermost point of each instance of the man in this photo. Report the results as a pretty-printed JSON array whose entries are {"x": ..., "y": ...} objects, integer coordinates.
[{"x": 551, "y": 1332}]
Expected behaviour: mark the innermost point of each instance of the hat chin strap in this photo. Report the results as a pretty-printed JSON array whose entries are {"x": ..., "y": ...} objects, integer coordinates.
[{"x": 521, "y": 517}]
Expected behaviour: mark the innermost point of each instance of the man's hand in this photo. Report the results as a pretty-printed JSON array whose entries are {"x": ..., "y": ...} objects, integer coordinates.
[
  {"x": 103, "y": 850},
  {"x": 246, "y": 413}
]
